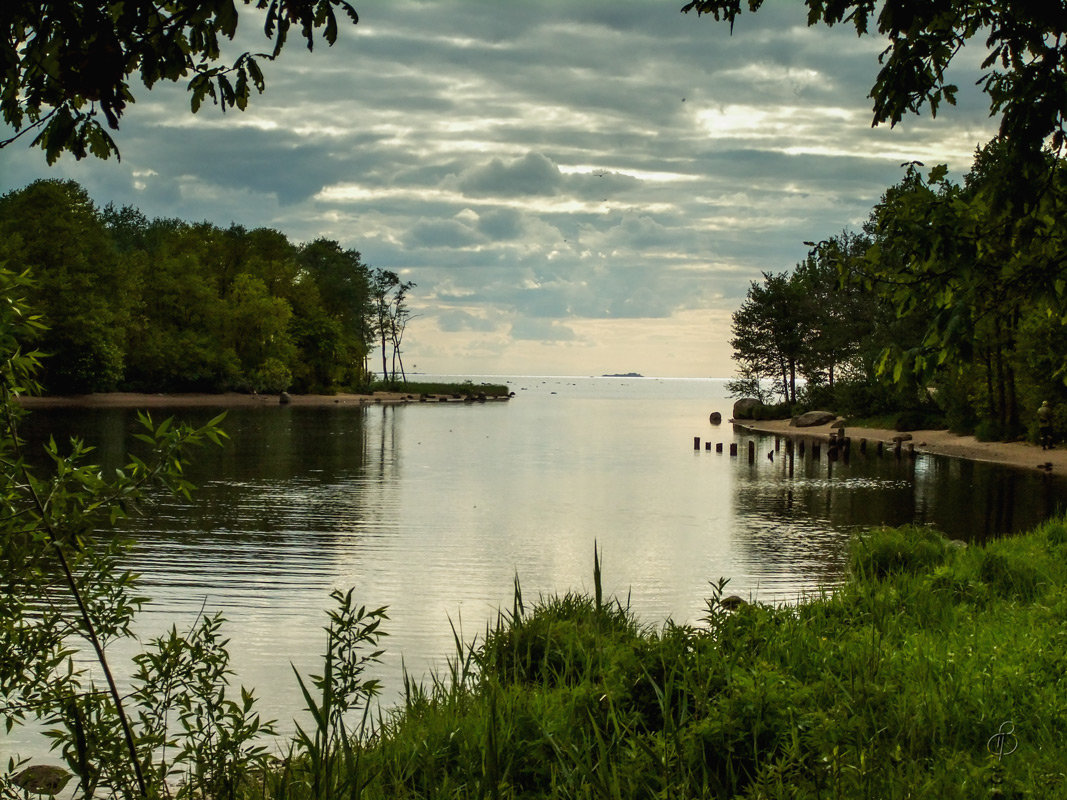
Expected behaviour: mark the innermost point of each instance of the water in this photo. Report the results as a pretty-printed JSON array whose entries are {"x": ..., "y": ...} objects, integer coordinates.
[{"x": 433, "y": 509}]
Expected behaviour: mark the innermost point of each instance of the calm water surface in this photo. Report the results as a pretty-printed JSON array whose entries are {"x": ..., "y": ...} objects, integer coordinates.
[{"x": 433, "y": 509}]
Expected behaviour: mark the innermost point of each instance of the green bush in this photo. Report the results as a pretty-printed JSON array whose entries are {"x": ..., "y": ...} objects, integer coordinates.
[
  {"x": 1055, "y": 531},
  {"x": 772, "y": 411},
  {"x": 988, "y": 430},
  {"x": 1010, "y": 575},
  {"x": 888, "y": 551}
]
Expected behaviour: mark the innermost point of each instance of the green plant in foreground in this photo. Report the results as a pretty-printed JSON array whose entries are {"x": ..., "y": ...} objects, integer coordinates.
[
  {"x": 324, "y": 762},
  {"x": 67, "y": 598},
  {"x": 891, "y": 685}
]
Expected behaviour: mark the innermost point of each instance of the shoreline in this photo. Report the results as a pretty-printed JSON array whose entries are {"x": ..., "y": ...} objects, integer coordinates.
[
  {"x": 233, "y": 400},
  {"x": 941, "y": 442}
]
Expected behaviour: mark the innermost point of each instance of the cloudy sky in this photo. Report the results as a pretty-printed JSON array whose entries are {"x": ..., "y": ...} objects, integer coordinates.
[{"x": 575, "y": 188}]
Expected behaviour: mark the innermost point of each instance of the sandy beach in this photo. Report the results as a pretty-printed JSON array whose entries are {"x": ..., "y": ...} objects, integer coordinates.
[
  {"x": 938, "y": 442},
  {"x": 227, "y": 400}
]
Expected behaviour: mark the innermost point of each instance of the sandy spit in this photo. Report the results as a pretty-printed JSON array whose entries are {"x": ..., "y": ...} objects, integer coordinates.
[
  {"x": 937, "y": 442},
  {"x": 223, "y": 401}
]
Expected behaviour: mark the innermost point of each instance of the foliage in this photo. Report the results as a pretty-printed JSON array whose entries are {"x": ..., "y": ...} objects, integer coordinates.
[
  {"x": 972, "y": 276},
  {"x": 953, "y": 302},
  {"x": 325, "y": 762},
  {"x": 58, "y": 544},
  {"x": 62, "y": 65},
  {"x": 816, "y": 322},
  {"x": 164, "y": 305},
  {"x": 768, "y": 333},
  {"x": 179, "y": 729}
]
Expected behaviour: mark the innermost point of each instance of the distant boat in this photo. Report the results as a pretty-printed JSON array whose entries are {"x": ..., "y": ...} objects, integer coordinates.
[{"x": 623, "y": 375}]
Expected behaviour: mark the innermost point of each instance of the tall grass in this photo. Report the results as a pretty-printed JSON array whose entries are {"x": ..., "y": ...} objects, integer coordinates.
[{"x": 889, "y": 687}]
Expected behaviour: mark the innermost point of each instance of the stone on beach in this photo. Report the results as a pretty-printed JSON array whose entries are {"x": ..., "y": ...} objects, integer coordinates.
[
  {"x": 812, "y": 418},
  {"x": 745, "y": 406}
]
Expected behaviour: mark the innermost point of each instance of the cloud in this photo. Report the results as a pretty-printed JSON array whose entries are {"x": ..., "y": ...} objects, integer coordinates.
[
  {"x": 571, "y": 173},
  {"x": 541, "y": 330},
  {"x": 533, "y": 174}
]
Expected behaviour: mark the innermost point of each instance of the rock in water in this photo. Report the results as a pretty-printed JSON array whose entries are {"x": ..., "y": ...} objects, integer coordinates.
[
  {"x": 42, "y": 779},
  {"x": 733, "y": 602}
]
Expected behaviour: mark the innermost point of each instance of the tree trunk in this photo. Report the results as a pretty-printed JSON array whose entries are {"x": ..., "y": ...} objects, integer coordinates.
[{"x": 385, "y": 365}]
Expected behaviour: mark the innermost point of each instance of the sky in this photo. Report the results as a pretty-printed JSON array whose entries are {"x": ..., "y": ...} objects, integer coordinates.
[{"x": 575, "y": 188}]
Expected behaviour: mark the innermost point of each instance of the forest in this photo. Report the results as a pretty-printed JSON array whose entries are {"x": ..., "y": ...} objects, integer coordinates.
[
  {"x": 946, "y": 309},
  {"x": 164, "y": 305}
]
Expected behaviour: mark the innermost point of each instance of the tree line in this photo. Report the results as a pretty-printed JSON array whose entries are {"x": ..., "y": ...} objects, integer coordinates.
[
  {"x": 950, "y": 302},
  {"x": 164, "y": 305}
]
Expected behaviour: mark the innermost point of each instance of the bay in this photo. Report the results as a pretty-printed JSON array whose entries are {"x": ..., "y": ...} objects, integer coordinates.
[{"x": 434, "y": 509}]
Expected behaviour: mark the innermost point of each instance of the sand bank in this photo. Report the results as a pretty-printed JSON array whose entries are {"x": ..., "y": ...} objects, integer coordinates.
[
  {"x": 227, "y": 400},
  {"x": 937, "y": 442}
]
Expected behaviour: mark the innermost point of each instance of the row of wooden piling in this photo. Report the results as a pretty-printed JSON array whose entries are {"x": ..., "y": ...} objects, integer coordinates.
[{"x": 839, "y": 446}]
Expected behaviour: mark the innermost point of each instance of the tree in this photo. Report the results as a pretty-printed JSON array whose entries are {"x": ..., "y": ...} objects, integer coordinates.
[
  {"x": 389, "y": 295},
  {"x": 768, "y": 332},
  {"x": 332, "y": 308},
  {"x": 1025, "y": 65},
  {"x": 63, "y": 63},
  {"x": 54, "y": 229},
  {"x": 840, "y": 318}
]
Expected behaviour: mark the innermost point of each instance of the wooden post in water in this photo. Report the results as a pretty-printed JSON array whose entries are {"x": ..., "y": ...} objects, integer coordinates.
[
  {"x": 863, "y": 447},
  {"x": 751, "y": 452},
  {"x": 846, "y": 448},
  {"x": 777, "y": 443},
  {"x": 896, "y": 449},
  {"x": 696, "y": 442},
  {"x": 879, "y": 450},
  {"x": 718, "y": 447},
  {"x": 707, "y": 446},
  {"x": 800, "y": 448},
  {"x": 789, "y": 446},
  {"x": 815, "y": 450},
  {"x": 733, "y": 448}
]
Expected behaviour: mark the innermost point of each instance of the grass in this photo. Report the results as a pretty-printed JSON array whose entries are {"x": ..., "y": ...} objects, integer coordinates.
[
  {"x": 464, "y": 389},
  {"x": 890, "y": 687}
]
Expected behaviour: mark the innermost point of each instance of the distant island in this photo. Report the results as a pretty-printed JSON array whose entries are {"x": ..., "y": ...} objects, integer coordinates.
[{"x": 623, "y": 375}]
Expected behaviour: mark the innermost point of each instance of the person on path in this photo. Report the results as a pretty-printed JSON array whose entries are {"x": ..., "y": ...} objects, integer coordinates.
[{"x": 1044, "y": 426}]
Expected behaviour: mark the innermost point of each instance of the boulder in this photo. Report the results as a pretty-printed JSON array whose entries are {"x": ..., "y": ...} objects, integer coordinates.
[
  {"x": 284, "y": 398},
  {"x": 42, "y": 779},
  {"x": 732, "y": 602},
  {"x": 715, "y": 418},
  {"x": 744, "y": 407},
  {"x": 902, "y": 437},
  {"x": 812, "y": 418}
]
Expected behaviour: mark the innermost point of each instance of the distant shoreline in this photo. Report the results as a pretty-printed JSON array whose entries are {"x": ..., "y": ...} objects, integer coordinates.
[
  {"x": 228, "y": 400},
  {"x": 935, "y": 442}
]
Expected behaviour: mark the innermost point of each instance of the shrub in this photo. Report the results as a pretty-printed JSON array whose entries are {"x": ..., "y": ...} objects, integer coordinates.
[
  {"x": 887, "y": 551},
  {"x": 1009, "y": 575},
  {"x": 1056, "y": 531}
]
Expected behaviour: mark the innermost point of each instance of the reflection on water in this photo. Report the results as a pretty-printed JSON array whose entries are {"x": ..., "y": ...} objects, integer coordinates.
[{"x": 433, "y": 510}]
